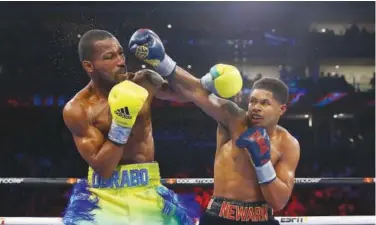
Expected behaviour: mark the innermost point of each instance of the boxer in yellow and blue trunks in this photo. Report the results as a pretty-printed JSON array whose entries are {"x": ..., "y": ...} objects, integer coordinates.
[
  {"x": 110, "y": 122},
  {"x": 133, "y": 195}
]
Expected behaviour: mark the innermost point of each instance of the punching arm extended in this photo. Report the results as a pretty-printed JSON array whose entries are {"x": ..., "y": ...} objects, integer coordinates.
[
  {"x": 222, "y": 80},
  {"x": 157, "y": 86},
  {"x": 220, "y": 109}
]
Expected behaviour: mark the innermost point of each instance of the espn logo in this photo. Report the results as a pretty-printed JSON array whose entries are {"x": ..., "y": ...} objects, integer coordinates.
[
  {"x": 293, "y": 219},
  {"x": 123, "y": 113}
]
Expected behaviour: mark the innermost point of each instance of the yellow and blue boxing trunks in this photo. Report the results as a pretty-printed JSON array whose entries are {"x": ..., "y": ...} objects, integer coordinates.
[{"x": 133, "y": 195}]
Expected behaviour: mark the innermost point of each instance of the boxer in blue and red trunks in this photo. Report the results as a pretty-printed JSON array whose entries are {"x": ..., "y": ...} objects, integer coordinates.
[{"x": 256, "y": 159}]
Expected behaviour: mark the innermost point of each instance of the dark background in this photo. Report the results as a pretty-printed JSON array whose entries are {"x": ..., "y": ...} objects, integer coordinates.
[{"x": 40, "y": 71}]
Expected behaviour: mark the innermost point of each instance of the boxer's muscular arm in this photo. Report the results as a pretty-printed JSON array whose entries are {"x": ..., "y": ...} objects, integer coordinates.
[
  {"x": 278, "y": 192},
  {"x": 166, "y": 93},
  {"x": 101, "y": 154},
  {"x": 222, "y": 110},
  {"x": 223, "y": 136},
  {"x": 157, "y": 87}
]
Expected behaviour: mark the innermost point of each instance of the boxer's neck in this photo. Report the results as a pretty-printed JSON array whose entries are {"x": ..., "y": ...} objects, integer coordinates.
[
  {"x": 100, "y": 88},
  {"x": 271, "y": 130}
]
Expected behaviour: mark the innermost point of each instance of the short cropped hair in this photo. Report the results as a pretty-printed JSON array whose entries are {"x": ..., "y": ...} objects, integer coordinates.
[
  {"x": 86, "y": 47},
  {"x": 279, "y": 89}
]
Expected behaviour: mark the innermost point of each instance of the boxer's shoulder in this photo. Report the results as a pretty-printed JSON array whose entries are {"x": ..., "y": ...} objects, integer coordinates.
[
  {"x": 239, "y": 124},
  {"x": 287, "y": 140},
  {"x": 236, "y": 120},
  {"x": 75, "y": 111}
]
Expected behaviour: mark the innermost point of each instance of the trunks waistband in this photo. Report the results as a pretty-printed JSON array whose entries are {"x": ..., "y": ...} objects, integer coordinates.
[
  {"x": 127, "y": 176},
  {"x": 238, "y": 210}
]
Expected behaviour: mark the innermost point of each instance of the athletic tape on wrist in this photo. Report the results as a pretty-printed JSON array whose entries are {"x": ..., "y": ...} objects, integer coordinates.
[
  {"x": 207, "y": 82},
  {"x": 265, "y": 173},
  {"x": 119, "y": 134},
  {"x": 166, "y": 67}
]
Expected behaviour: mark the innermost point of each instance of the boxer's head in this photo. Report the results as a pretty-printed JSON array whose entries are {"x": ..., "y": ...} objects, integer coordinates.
[
  {"x": 267, "y": 101},
  {"x": 101, "y": 56}
]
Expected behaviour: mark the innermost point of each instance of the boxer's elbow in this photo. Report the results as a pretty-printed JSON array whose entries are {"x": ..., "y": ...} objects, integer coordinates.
[
  {"x": 101, "y": 167},
  {"x": 103, "y": 171},
  {"x": 277, "y": 202},
  {"x": 276, "y": 195},
  {"x": 106, "y": 174},
  {"x": 277, "y": 205}
]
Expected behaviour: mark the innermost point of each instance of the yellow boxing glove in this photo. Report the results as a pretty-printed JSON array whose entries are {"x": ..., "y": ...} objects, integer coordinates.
[
  {"x": 125, "y": 100},
  {"x": 223, "y": 80}
]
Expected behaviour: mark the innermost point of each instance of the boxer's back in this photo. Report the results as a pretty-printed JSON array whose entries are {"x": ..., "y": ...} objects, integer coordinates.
[
  {"x": 140, "y": 145},
  {"x": 234, "y": 174}
]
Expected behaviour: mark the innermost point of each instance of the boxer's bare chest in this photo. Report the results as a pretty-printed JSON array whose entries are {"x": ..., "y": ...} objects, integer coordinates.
[
  {"x": 275, "y": 142},
  {"x": 234, "y": 173},
  {"x": 228, "y": 153},
  {"x": 99, "y": 115}
]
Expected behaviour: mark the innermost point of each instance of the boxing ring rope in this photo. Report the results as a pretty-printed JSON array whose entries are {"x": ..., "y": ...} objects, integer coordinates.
[
  {"x": 191, "y": 181},
  {"x": 303, "y": 220}
]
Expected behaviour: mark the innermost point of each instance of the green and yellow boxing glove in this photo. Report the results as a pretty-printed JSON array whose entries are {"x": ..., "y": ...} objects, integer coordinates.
[
  {"x": 223, "y": 80},
  {"x": 125, "y": 100}
]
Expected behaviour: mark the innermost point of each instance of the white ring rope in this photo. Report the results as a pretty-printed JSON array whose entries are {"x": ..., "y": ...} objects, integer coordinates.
[
  {"x": 192, "y": 181},
  {"x": 302, "y": 220}
]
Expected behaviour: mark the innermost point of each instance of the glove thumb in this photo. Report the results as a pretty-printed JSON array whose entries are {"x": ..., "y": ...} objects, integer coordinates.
[
  {"x": 133, "y": 48},
  {"x": 140, "y": 37},
  {"x": 241, "y": 142}
]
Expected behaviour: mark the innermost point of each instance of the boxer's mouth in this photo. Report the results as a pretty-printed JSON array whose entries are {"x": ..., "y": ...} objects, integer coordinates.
[
  {"x": 123, "y": 70},
  {"x": 256, "y": 118}
]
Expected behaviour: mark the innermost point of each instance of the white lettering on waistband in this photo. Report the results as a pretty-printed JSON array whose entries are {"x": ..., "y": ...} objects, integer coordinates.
[{"x": 121, "y": 179}]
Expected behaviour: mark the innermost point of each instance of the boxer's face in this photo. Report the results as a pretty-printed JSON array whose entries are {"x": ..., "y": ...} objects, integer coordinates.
[
  {"x": 263, "y": 109},
  {"x": 108, "y": 60}
]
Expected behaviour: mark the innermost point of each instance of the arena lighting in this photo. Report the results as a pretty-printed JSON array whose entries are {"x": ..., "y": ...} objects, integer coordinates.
[
  {"x": 169, "y": 26},
  {"x": 297, "y": 116},
  {"x": 310, "y": 122},
  {"x": 143, "y": 66},
  {"x": 343, "y": 116},
  {"x": 189, "y": 66},
  {"x": 330, "y": 98}
]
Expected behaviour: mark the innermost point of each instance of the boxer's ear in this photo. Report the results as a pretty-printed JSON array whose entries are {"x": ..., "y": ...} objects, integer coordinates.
[
  {"x": 88, "y": 66},
  {"x": 283, "y": 109}
]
